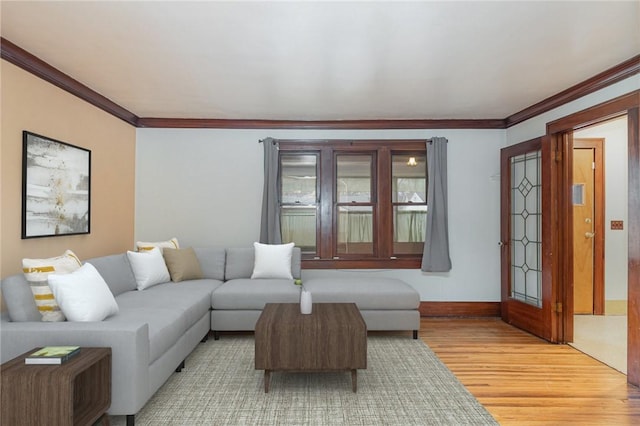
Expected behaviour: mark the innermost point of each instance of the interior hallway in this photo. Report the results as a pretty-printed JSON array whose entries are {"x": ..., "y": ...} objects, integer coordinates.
[{"x": 603, "y": 337}]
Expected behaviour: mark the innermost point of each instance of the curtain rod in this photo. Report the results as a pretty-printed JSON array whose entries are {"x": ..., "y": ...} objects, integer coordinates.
[{"x": 429, "y": 140}]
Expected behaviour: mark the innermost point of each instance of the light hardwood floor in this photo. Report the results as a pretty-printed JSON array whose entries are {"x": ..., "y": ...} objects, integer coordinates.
[{"x": 523, "y": 380}]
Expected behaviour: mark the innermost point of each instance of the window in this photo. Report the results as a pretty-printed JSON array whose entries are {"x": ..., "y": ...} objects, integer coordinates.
[
  {"x": 409, "y": 186},
  {"x": 299, "y": 199},
  {"x": 354, "y": 204}
]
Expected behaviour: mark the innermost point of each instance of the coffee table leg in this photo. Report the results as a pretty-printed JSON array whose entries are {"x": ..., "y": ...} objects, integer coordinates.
[
  {"x": 354, "y": 380},
  {"x": 267, "y": 379}
]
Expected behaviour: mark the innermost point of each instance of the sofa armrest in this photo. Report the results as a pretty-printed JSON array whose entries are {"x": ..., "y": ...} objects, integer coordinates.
[{"x": 129, "y": 343}]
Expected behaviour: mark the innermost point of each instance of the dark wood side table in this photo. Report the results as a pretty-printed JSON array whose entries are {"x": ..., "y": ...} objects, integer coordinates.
[
  {"x": 332, "y": 338},
  {"x": 78, "y": 392}
]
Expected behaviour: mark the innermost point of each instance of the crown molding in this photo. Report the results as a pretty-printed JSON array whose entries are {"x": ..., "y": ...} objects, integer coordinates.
[
  {"x": 36, "y": 66},
  {"x": 606, "y": 78},
  {"x": 204, "y": 123},
  {"x": 30, "y": 63},
  {"x": 596, "y": 114}
]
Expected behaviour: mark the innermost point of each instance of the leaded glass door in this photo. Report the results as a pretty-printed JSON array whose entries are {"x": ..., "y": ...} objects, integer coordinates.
[{"x": 526, "y": 237}]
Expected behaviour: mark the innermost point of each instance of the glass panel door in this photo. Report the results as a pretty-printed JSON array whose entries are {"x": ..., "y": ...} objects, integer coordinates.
[{"x": 528, "y": 226}]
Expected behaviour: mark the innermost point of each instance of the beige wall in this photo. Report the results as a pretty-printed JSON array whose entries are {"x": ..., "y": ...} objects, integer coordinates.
[{"x": 29, "y": 103}]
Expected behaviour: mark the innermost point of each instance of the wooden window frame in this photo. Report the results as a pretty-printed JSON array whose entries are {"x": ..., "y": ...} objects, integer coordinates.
[{"x": 383, "y": 256}]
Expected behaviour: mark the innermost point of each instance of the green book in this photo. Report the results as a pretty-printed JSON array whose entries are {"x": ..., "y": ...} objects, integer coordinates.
[{"x": 52, "y": 355}]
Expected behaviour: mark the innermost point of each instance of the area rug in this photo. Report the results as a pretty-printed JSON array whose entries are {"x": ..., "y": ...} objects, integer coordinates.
[{"x": 404, "y": 384}]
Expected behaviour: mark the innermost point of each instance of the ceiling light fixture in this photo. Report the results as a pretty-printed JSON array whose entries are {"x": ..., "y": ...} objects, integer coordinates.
[{"x": 412, "y": 162}]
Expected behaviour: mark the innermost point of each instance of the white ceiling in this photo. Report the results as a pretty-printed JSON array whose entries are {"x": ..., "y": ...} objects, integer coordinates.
[{"x": 313, "y": 60}]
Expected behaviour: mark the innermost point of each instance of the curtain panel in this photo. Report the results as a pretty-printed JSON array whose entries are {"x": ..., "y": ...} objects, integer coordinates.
[
  {"x": 435, "y": 257},
  {"x": 270, "y": 220}
]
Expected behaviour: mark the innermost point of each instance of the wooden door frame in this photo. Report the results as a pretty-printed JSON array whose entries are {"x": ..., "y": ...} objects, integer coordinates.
[
  {"x": 598, "y": 221},
  {"x": 628, "y": 104}
]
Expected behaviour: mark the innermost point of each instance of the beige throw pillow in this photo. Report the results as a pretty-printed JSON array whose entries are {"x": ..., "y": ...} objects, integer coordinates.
[
  {"x": 183, "y": 264},
  {"x": 37, "y": 271}
]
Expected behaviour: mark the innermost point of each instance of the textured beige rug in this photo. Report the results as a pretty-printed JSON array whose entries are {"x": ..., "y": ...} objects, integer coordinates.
[{"x": 404, "y": 384}]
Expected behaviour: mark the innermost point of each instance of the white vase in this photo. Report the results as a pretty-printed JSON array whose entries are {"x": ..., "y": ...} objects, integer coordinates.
[{"x": 305, "y": 302}]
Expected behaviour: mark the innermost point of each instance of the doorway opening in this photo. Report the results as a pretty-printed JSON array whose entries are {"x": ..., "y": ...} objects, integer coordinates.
[
  {"x": 560, "y": 131},
  {"x": 600, "y": 249}
]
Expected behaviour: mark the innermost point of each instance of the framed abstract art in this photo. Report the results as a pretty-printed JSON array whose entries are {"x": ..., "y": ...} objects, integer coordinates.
[{"x": 56, "y": 184}]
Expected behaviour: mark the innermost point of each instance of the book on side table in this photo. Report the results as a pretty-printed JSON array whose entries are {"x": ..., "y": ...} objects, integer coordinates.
[{"x": 52, "y": 355}]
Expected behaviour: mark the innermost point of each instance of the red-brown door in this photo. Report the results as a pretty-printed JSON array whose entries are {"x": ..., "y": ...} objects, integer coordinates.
[{"x": 528, "y": 216}]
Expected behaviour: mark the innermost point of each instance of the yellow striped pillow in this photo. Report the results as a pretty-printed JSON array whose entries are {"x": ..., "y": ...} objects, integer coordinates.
[
  {"x": 36, "y": 271},
  {"x": 172, "y": 243}
]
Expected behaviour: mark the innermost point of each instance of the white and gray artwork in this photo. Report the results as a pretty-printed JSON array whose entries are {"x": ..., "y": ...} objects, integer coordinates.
[{"x": 56, "y": 187}]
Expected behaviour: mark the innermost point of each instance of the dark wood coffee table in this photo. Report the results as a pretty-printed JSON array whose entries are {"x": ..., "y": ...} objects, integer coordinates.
[{"x": 332, "y": 338}]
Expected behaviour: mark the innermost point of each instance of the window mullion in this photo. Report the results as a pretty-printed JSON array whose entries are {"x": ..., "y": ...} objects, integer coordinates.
[
  {"x": 384, "y": 231},
  {"x": 325, "y": 245}
]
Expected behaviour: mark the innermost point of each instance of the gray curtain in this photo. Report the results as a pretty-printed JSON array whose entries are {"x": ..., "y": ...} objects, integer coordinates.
[
  {"x": 435, "y": 257},
  {"x": 270, "y": 222}
]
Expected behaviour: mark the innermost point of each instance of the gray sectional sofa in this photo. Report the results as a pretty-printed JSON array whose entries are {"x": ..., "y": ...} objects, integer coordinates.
[{"x": 157, "y": 328}]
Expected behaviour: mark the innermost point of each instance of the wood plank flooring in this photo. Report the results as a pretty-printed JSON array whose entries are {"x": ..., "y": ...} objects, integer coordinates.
[{"x": 523, "y": 380}]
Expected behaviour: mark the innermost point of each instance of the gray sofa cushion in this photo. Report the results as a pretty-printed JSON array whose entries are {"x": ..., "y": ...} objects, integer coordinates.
[
  {"x": 192, "y": 297},
  {"x": 170, "y": 309},
  {"x": 254, "y": 294},
  {"x": 240, "y": 261},
  {"x": 18, "y": 298},
  {"x": 367, "y": 293},
  {"x": 166, "y": 325},
  {"x": 116, "y": 271},
  {"x": 211, "y": 262}
]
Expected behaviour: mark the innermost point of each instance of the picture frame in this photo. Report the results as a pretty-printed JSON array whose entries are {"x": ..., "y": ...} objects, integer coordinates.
[{"x": 56, "y": 187}]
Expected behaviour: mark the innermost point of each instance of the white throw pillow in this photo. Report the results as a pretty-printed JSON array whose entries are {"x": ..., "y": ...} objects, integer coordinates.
[
  {"x": 83, "y": 295},
  {"x": 272, "y": 261},
  {"x": 144, "y": 246},
  {"x": 148, "y": 268}
]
